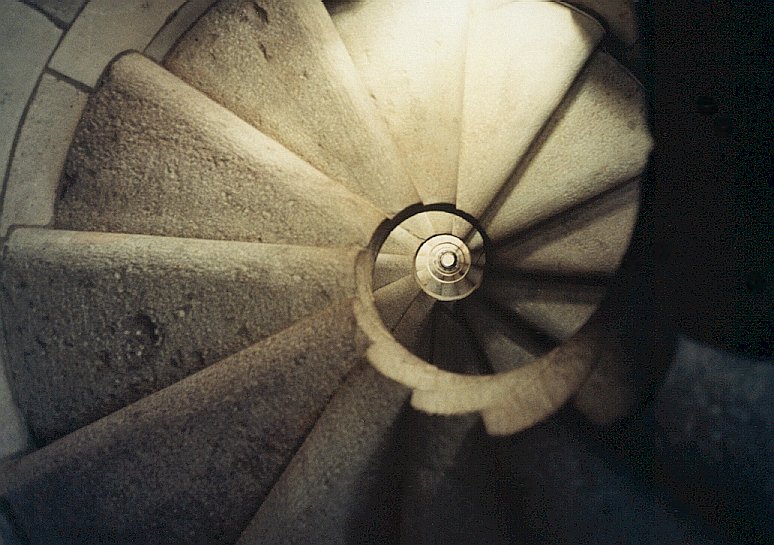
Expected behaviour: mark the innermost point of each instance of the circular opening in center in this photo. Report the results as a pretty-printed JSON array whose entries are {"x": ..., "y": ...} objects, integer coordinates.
[
  {"x": 448, "y": 260},
  {"x": 446, "y": 269}
]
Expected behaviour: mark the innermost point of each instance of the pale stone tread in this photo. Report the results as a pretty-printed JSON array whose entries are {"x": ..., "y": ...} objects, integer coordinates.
[
  {"x": 341, "y": 485},
  {"x": 589, "y": 239},
  {"x": 412, "y": 59},
  {"x": 601, "y": 130},
  {"x": 152, "y": 155},
  {"x": 521, "y": 60},
  {"x": 282, "y": 67},
  {"x": 193, "y": 462},
  {"x": 96, "y": 321}
]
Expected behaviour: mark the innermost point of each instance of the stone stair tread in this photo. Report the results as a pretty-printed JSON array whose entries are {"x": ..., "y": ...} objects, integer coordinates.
[
  {"x": 96, "y": 321},
  {"x": 342, "y": 485},
  {"x": 450, "y": 476},
  {"x": 153, "y": 155},
  {"x": 282, "y": 67},
  {"x": 391, "y": 267},
  {"x": 394, "y": 299},
  {"x": 193, "y": 462},
  {"x": 507, "y": 346},
  {"x": 554, "y": 306},
  {"x": 601, "y": 129},
  {"x": 412, "y": 55},
  {"x": 588, "y": 239},
  {"x": 509, "y": 91}
]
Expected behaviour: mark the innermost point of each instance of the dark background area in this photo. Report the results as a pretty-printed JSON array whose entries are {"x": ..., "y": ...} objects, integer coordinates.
[{"x": 707, "y": 228}]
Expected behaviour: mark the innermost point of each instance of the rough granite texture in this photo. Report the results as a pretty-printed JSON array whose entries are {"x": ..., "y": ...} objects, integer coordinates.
[
  {"x": 152, "y": 155},
  {"x": 39, "y": 157},
  {"x": 192, "y": 463},
  {"x": 96, "y": 321},
  {"x": 506, "y": 99},
  {"x": 343, "y": 484},
  {"x": 412, "y": 54},
  {"x": 601, "y": 129},
  {"x": 282, "y": 67}
]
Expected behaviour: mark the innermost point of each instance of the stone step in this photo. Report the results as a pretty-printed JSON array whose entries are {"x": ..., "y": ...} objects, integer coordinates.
[
  {"x": 518, "y": 397},
  {"x": 282, "y": 67},
  {"x": 450, "y": 478},
  {"x": 393, "y": 300},
  {"x": 390, "y": 267},
  {"x": 412, "y": 60},
  {"x": 96, "y": 321},
  {"x": 506, "y": 345},
  {"x": 343, "y": 484},
  {"x": 154, "y": 156},
  {"x": 588, "y": 239},
  {"x": 193, "y": 462},
  {"x": 601, "y": 129},
  {"x": 554, "y": 306},
  {"x": 521, "y": 60},
  {"x": 415, "y": 328}
]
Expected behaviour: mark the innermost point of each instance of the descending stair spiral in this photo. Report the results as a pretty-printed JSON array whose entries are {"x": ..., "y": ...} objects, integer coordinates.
[{"x": 263, "y": 248}]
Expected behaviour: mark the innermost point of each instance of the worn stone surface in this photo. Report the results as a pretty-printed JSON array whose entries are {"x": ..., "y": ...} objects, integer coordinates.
[
  {"x": 104, "y": 29},
  {"x": 61, "y": 10},
  {"x": 27, "y": 39},
  {"x": 601, "y": 129},
  {"x": 554, "y": 307},
  {"x": 506, "y": 345},
  {"x": 565, "y": 489},
  {"x": 390, "y": 267},
  {"x": 521, "y": 60},
  {"x": 40, "y": 154},
  {"x": 181, "y": 21},
  {"x": 589, "y": 239},
  {"x": 393, "y": 300},
  {"x": 282, "y": 67},
  {"x": 714, "y": 437},
  {"x": 343, "y": 484},
  {"x": 96, "y": 321},
  {"x": 178, "y": 164},
  {"x": 450, "y": 480},
  {"x": 411, "y": 55},
  {"x": 192, "y": 463}
]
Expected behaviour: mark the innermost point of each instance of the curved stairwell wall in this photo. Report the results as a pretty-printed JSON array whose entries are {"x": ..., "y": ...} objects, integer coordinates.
[{"x": 55, "y": 63}]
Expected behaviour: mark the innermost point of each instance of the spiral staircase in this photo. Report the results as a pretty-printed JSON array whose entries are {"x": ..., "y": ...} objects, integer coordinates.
[{"x": 327, "y": 273}]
